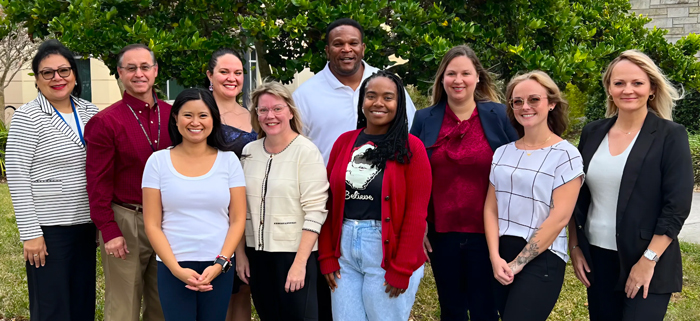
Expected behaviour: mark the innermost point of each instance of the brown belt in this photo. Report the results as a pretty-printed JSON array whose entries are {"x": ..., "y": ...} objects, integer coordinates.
[{"x": 135, "y": 208}]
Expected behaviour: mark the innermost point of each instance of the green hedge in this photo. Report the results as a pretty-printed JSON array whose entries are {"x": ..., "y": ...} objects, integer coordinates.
[{"x": 695, "y": 152}]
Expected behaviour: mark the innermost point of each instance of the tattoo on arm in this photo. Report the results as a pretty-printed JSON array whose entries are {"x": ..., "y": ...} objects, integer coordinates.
[{"x": 530, "y": 252}]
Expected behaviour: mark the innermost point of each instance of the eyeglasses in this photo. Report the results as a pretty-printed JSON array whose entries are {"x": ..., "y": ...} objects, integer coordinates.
[
  {"x": 49, "y": 74},
  {"x": 132, "y": 68},
  {"x": 276, "y": 109},
  {"x": 518, "y": 103}
]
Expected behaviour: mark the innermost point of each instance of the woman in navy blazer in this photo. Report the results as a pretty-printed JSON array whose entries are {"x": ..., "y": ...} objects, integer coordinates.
[
  {"x": 461, "y": 132},
  {"x": 639, "y": 185}
]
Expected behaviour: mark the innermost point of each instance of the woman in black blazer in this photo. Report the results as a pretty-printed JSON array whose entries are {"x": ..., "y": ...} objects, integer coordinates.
[
  {"x": 461, "y": 132},
  {"x": 639, "y": 184}
]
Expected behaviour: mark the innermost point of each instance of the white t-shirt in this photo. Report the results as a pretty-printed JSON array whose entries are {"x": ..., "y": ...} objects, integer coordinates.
[
  {"x": 524, "y": 186},
  {"x": 195, "y": 209},
  {"x": 70, "y": 120},
  {"x": 328, "y": 108},
  {"x": 603, "y": 180}
]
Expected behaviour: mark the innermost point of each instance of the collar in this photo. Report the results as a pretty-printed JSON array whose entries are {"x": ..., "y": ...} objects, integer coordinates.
[
  {"x": 138, "y": 104},
  {"x": 47, "y": 108},
  {"x": 335, "y": 83}
]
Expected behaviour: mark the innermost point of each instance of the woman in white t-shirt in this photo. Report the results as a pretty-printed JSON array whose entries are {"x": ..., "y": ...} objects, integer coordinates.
[
  {"x": 534, "y": 185},
  {"x": 194, "y": 211}
]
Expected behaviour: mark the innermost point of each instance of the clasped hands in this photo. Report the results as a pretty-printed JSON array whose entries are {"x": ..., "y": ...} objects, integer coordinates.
[
  {"x": 503, "y": 271},
  {"x": 198, "y": 282}
]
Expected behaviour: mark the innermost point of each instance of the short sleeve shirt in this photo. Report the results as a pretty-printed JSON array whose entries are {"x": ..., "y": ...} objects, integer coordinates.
[
  {"x": 195, "y": 209},
  {"x": 524, "y": 182},
  {"x": 363, "y": 182}
]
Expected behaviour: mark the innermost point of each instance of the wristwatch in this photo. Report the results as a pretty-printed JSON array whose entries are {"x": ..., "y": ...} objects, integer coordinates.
[
  {"x": 651, "y": 255},
  {"x": 225, "y": 263}
]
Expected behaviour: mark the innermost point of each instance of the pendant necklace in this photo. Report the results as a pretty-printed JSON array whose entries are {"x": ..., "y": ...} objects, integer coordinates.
[{"x": 532, "y": 146}]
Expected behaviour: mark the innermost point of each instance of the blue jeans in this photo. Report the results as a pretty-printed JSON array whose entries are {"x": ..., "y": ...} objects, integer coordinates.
[
  {"x": 182, "y": 304},
  {"x": 360, "y": 294}
]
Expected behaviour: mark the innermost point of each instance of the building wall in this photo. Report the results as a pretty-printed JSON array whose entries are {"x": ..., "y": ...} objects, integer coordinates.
[{"x": 679, "y": 17}]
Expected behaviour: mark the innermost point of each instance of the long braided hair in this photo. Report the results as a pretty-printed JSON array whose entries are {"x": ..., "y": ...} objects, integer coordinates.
[{"x": 394, "y": 146}]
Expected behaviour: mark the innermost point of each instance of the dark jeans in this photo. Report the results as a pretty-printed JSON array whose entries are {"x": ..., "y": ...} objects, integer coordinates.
[
  {"x": 535, "y": 290},
  {"x": 268, "y": 275},
  {"x": 182, "y": 304},
  {"x": 64, "y": 288},
  {"x": 606, "y": 304},
  {"x": 463, "y": 276}
]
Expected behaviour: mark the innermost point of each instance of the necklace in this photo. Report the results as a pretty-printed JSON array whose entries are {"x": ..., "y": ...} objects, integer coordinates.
[
  {"x": 533, "y": 146},
  {"x": 285, "y": 148}
]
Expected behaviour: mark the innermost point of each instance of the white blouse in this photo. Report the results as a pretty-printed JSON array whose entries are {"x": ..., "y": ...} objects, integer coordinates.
[
  {"x": 524, "y": 182},
  {"x": 603, "y": 180}
]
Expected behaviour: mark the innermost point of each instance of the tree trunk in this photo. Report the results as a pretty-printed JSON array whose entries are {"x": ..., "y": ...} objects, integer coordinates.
[
  {"x": 263, "y": 66},
  {"x": 2, "y": 105}
]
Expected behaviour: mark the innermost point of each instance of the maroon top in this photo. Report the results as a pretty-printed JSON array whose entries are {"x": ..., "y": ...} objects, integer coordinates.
[
  {"x": 117, "y": 151},
  {"x": 460, "y": 162}
]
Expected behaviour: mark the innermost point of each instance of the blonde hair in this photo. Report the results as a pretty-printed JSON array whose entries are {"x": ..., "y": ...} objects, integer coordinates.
[
  {"x": 665, "y": 95},
  {"x": 485, "y": 88},
  {"x": 557, "y": 119},
  {"x": 278, "y": 90}
]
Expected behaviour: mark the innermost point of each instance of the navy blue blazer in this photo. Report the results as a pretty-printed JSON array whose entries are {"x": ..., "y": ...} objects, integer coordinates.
[{"x": 494, "y": 121}]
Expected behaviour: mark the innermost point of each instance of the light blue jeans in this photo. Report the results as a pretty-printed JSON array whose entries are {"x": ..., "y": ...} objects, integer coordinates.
[{"x": 360, "y": 294}]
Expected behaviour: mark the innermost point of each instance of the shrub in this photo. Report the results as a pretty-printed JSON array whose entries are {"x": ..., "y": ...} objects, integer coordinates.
[
  {"x": 687, "y": 111},
  {"x": 695, "y": 153}
]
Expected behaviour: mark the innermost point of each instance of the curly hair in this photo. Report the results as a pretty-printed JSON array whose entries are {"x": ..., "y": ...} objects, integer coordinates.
[{"x": 394, "y": 146}]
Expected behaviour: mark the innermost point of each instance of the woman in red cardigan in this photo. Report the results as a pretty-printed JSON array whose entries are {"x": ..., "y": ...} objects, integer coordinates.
[{"x": 380, "y": 182}]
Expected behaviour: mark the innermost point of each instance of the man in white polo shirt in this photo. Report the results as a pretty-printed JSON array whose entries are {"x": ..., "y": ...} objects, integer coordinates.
[{"x": 328, "y": 101}]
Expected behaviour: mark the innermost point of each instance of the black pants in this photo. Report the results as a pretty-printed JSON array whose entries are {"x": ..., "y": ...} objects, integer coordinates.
[
  {"x": 268, "y": 275},
  {"x": 463, "y": 276},
  {"x": 606, "y": 304},
  {"x": 534, "y": 290},
  {"x": 64, "y": 288},
  {"x": 182, "y": 304}
]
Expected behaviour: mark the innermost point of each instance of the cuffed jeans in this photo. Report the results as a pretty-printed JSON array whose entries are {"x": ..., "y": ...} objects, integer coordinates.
[{"x": 361, "y": 291}]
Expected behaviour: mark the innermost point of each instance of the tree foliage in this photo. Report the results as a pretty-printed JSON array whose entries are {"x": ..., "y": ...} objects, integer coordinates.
[{"x": 571, "y": 40}]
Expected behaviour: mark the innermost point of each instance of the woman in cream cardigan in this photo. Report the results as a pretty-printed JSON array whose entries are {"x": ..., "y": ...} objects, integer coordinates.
[{"x": 286, "y": 190}]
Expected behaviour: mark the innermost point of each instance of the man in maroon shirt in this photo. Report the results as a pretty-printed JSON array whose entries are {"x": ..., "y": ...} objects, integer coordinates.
[{"x": 119, "y": 140}]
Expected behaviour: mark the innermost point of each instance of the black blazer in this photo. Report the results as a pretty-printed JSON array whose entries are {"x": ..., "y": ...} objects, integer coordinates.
[
  {"x": 497, "y": 127},
  {"x": 655, "y": 195}
]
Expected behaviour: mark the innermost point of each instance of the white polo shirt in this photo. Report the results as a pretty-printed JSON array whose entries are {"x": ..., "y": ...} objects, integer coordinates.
[{"x": 328, "y": 108}]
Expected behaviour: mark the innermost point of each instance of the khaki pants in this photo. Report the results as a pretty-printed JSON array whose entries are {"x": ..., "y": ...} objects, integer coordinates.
[{"x": 127, "y": 281}]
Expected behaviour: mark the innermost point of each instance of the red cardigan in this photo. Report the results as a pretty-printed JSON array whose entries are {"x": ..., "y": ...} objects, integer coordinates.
[{"x": 406, "y": 193}]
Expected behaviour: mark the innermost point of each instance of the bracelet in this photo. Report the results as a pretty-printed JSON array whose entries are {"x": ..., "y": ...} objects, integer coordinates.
[{"x": 573, "y": 247}]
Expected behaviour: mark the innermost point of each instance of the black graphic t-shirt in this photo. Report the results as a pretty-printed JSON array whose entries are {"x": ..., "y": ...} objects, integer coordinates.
[{"x": 363, "y": 183}]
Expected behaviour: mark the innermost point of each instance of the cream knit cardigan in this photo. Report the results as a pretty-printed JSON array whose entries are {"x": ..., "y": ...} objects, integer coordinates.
[{"x": 286, "y": 194}]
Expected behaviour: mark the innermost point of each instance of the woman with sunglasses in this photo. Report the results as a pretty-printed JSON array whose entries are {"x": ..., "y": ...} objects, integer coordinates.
[
  {"x": 46, "y": 175},
  {"x": 534, "y": 185},
  {"x": 287, "y": 190}
]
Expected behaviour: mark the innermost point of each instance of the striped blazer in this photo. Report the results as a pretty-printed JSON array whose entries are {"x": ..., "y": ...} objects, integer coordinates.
[{"x": 45, "y": 162}]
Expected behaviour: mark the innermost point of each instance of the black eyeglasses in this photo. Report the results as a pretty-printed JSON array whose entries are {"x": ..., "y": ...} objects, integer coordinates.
[
  {"x": 132, "y": 68},
  {"x": 49, "y": 74}
]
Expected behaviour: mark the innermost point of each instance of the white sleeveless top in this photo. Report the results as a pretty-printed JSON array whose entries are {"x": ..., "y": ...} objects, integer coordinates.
[{"x": 603, "y": 180}]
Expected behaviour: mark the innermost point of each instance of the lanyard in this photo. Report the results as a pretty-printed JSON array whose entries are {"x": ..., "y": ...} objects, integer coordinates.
[
  {"x": 153, "y": 147},
  {"x": 77, "y": 121}
]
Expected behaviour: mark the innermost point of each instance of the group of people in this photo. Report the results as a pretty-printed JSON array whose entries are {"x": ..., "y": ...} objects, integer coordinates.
[{"x": 326, "y": 203}]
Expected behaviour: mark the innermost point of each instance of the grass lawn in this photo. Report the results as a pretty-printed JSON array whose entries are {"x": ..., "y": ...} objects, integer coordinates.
[{"x": 14, "y": 304}]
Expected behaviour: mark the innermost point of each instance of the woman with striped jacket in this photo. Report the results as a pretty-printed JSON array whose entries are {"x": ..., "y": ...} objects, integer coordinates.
[{"x": 46, "y": 175}]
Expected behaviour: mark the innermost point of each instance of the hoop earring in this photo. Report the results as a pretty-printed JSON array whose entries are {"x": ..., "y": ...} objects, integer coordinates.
[
  {"x": 211, "y": 86},
  {"x": 610, "y": 98},
  {"x": 652, "y": 96}
]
